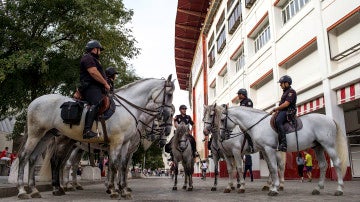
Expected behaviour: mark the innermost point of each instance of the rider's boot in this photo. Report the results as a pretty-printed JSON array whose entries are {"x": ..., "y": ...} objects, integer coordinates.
[
  {"x": 250, "y": 143},
  {"x": 282, "y": 142},
  {"x": 89, "y": 120}
]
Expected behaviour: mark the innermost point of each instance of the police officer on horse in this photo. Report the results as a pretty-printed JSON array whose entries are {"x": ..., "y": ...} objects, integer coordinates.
[
  {"x": 93, "y": 84},
  {"x": 286, "y": 108},
  {"x": 246, "y": 102}
]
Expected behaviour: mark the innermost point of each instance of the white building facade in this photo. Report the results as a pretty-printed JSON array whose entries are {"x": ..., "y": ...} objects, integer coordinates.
[{"x": 252, "y": 43}]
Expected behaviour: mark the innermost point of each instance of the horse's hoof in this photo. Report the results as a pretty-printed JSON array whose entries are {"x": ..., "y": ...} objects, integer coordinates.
[
  {"x": 281, "y": 188},
  {"x": 190, "y": 189},
  {"x": 184, "y": 187},
  {"x": 108, "y": 191},
  {"x": 265, "y": 188},
  {"x": 338, "y": 193},
  {"x": 241, "y": 191},
  {"x": 273, "y": 193},
  {"x": 232, "y": 188},
  {"x": 66, "y": 189},
  {"x": 35, "y": 195},
  {"x": 58, "y": 193},
  {"x": 128, "y": 197},
  {"x": 114, "y": 195},
  {"x": 71, "y": 189},
  {"x": 315, "y": 192},
  {"x": 213, "y": 188},
  {"x": 24, "y": 196},
  {"x": 79, "y": 187},
  {"x": 128, "y": 189},
  {"x": 174, "y": 188},
  {"x": 238, "y": 186},
  {"x": 227, "y": 190}
]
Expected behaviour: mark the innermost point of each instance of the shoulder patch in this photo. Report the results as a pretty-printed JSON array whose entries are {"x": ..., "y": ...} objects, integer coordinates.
[{"x": 290, "y": 94}]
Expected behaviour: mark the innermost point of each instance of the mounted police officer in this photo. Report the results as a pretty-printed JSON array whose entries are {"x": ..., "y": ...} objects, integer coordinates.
[
  {"x": 93, "y": 84},
  {"x": 111, "y": 75},
  {"x": 246, "y": 102},
  {"x": 286, "y": 106},
  {"x": 184, "y": 118}
]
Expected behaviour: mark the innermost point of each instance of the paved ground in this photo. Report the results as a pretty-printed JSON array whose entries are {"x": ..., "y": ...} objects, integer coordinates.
[{"x": 160, "y": 189}]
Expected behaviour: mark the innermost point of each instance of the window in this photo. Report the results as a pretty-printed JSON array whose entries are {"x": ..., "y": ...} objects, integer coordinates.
[
  {"x": 262, "y": 38},
  {"x": 229, "y": 4},
  {"x": 211, "y": 57},
  {"x": 235, "y": 18},
  {"x": 225, "y": 79},
  {"x": 240, "y": 61},
  {"x": 221, "y": 40},
  {"x": 220, "y": 22},
  {"x": 211, "y": 41},
  {"x": 291, "y": 8}
]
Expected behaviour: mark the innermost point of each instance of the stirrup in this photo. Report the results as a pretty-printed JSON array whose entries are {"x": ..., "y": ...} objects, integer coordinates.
[
  {"x": 89, "y": 134},
  {"x": 282, "y": 148}
]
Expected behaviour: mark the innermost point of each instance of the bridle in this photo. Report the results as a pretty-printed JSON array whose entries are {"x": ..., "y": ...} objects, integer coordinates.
[
  {"x": 228, "y": 132},
  {"x": 158, "y": 113}
]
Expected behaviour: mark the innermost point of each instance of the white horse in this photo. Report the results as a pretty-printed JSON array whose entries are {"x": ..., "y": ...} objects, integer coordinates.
[
  {"x": 319, "y": 132},
  {"x": 43, "y": 118},
  {"x": 182, "y": 151},
  {"x": 233, "y": 148}
]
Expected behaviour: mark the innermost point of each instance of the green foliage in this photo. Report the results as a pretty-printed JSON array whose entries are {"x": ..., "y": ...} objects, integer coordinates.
[
  {"x": 153, "y": 157},
  {"x": 41, "y": 44}
]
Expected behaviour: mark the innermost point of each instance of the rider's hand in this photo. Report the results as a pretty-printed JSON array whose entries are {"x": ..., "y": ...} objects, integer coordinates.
[
  {"x": 273, "y": 111},
  {"x": 107, "y": 87}
]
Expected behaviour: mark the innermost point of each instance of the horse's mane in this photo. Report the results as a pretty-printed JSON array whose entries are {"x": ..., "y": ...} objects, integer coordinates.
[
  {"x": 259, "y": 111},
  {"x": 130, "y": 84}
]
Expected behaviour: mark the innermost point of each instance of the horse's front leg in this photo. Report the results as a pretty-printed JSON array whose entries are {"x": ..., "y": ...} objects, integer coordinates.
[
  {"x": 216, "y": 171},
  {"x": 270, "y": 157},
  {"x": 230, "y": 170},
  {"x": 185, "y": 181},
  {"x": 123, "y": 172},
  {"x": 176, "y": 172},
  {"x": 281, "y": 159},
  {"x": 112, "y": 172},
  {"x": 240, "y": 171}
]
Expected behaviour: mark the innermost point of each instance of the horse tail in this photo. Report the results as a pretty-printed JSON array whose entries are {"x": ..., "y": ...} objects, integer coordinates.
[
  {"x": 342, "y": 149},
  {"x": 45, "y": 171}
]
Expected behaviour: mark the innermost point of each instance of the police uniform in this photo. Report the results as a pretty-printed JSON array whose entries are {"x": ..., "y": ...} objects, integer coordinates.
[
  {"x": 246, "y": 102},
  {"x": 91, "y": 89},
  {"x": 289, "y": 95},
  {"x": 187, "y": 120},
  {"x": 183, "y": 119}
]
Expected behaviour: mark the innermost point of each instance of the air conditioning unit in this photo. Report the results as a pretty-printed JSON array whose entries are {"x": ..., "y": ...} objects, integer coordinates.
[{"x": 249, "y": 3}]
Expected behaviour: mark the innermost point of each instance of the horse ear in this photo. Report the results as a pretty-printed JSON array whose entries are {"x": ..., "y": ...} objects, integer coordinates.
[
  {"x": 215, "y": 105},
  {"x": 169, "y": 78}
]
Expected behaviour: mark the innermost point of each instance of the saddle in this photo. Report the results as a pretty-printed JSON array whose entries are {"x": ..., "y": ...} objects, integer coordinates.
[{"x": 289, "y": 126}]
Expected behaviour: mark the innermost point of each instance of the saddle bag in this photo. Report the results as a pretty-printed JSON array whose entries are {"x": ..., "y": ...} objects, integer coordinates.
[{"x": 71, "y": 112}]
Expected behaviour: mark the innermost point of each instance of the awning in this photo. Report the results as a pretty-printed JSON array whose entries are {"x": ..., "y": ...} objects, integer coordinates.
[
  {"x": 349, "y": 93},
  {"x": 313, "y": 105}
]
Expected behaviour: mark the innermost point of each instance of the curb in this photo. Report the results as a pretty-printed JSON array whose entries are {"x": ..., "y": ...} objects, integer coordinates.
[{"x": 13, "y": 191}]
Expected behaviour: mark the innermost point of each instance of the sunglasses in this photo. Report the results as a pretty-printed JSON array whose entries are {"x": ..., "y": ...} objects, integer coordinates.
[{"x": 183, "y": 108}]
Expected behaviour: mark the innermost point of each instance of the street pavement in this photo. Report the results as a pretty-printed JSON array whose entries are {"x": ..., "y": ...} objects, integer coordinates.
[{"x": 160, "y": 189}]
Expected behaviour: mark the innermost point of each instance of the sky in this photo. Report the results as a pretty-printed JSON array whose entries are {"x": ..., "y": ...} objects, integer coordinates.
[{"x": 153, "y": 26}]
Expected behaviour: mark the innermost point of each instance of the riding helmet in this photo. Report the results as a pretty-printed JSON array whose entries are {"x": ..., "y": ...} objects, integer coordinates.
[
  {"x": 284, "y": 79},
  {"x": 111, "y": 71},
  {"x": 93, "y": 44},
  {"x": 242, "y": 91},
  {"x": 182, "y": 107}
]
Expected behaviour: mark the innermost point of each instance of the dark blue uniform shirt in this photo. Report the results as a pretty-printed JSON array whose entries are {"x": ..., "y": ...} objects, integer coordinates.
[
  {"x": 185, "y": 119},
  {"x": 246, "y": 102},
  {"x": 290, "y": 96}
]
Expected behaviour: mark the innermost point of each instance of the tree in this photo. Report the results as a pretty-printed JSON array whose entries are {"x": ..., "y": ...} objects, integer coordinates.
[
  {"x": 152, "y": 155},
  {"x": 41, "y": 44}
]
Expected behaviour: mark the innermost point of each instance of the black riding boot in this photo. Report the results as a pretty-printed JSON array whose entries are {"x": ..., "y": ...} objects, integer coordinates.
[
  {"x": 282, "y": 142},
  {"x": 250, "y": 143},
  {"x": 89, "y": 120}
]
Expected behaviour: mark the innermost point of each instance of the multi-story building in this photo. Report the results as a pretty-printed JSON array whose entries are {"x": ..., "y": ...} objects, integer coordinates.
[{"x": 221, "y": 46}]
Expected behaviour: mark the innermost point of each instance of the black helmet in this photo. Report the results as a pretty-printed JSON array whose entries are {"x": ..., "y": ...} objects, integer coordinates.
[
  {"x": 182, "y": 107},
  {"x": 93, "y": 44},
  {"x": 284, "y": 79},
  {"x": 111, "y": 71},
  {"x": 242, "y": 91}
]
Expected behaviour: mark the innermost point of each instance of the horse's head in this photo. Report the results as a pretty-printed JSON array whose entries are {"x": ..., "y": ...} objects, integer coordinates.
[
  {"x": 227, "y": 125},
  {"x": 209, "y": 119},
  {"x": 162, "y": 97},
  {"x": 180, "y": 136}
]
